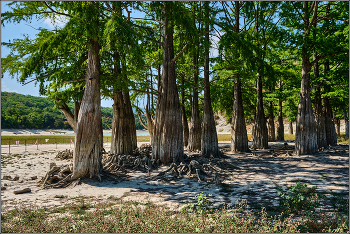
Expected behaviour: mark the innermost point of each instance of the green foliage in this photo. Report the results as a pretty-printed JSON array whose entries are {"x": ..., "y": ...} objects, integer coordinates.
[
  {"x": 202, "y": 205},
  {"x": 299, "y": 198}
]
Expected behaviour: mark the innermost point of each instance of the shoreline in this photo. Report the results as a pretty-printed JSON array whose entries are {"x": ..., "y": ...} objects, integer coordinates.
[{"x": 46, "y": 132}]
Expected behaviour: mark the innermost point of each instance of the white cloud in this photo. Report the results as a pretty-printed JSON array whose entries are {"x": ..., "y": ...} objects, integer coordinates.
[
  {"x": 4, "y": 88},
  {"x": 9, "y": 90},
  {"x": 60, "y": 21},
  {"x": 215, "y": 38}
]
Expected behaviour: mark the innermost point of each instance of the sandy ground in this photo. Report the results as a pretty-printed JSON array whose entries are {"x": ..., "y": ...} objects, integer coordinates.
[{"x": 256, "y": 180}]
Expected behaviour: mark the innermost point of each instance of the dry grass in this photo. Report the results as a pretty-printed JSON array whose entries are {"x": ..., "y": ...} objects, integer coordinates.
[
  {"x": 227, "y": 137},
  {"x": 5, "y": 140},
  {"x": 132, "y": 217},
  {"x": 66, "y": 139}
]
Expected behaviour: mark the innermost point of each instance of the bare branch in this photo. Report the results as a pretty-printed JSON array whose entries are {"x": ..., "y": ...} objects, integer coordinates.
[
  {"x": 301, "y": 16},
  {"x": 184, "y": 48},
  {"x": 139, "y": 115},
  {"x": 70, "y": 81},
  {"x": 328, "y": 55},
  {"x": 108, "y": 117},
  {"x": 314, "y": 16},
  {"x": 53, "y": 11},
  {"x": 37, "y": 79},
  {"x": 109, "y": 7},
  {"x": 127, "y": 12},
  {"x": 178, "y": 54}
]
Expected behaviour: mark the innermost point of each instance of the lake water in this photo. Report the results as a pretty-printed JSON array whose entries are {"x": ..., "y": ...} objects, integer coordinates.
[{"x": 138, "y": 133}]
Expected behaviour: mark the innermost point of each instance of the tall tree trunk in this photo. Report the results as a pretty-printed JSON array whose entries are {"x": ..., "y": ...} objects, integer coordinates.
[
  {"x": 130, "y": 119},
  {"x": 209, "y": 144},
  {"x": 167, "y": 142},
  {"x": 183, "y": 112},
  {"x": 330, "y": 126},
  {"x": 271, "y": 124},
  {"x": 290, "y": 128},
  {"x": 185, "y": 126},
  {"x": 150, "y": 122},
  {"x": 280, "y": 126},
  {"x": 320, "y": 122},
  {"x": 239, "y": 138},
  {"x": 123, "y": 140},
  {"x": 260, "y": 134},
  {"x": 194, "y": 141},
  {"x": 305, "y": 133},
  {"x": 337, "y": 125},
  {"x": 346, "y": 121},
  {"x": 319, "y": 110},
  {"x": 77, "y": 104},
  {"x": 331, "y": 134},
  {"x": 87, "y": 157}
]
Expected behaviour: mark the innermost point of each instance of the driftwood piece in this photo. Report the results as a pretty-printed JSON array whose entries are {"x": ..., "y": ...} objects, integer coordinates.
[
  {"x": 26, "y": 190},
  {"x": 49, "y": 173},
  {"x": 57, "y": 176}
]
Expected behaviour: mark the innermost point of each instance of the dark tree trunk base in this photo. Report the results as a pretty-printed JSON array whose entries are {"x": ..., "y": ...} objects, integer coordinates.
[
  {"x": 331, "y": 134},
  {"x": 280, "y": 126},
  {"x": 305, "y": 133},
  {"x": 239, "y": 138},
  {"x": 260, "y": 133},
  {"x": 320, "y": 125}
]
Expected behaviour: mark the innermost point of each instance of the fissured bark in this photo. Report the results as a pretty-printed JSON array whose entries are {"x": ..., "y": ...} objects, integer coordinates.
[
  {"x": 183, "y": 112},
  {"x": 280, "y": 125},
  {"x": 209, "y": 143},
  {"x": 337, "y": 125},
  {"x": 195, "y": 131},
  {"x": 305, "y": 132},
  {"x": 271, "y": 124},
  {"x": 185, "y": 126},
  {"x": 167, "y": 142},
  {"x": 260, "y": 135},
  {"x": 320, "y": 123},
  {"x": 87, "y": 157},
  {"x": 331, "y": 134},
  {"x": 124, "y": 139},
  {"x": 346, "y": 120},
  {"x": 290, "y": 128},
  {"x": 239, "y": 138}
]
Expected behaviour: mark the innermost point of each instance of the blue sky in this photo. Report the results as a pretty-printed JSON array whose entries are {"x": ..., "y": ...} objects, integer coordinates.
[{"x": 12, "y": 31}]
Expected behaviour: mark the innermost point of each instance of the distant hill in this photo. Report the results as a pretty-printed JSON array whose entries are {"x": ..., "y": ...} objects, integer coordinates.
[{"x": 25, "y": 111}]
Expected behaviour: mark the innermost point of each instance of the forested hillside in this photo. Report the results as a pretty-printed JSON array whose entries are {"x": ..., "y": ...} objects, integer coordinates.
[{"x": 25, "y": 111}]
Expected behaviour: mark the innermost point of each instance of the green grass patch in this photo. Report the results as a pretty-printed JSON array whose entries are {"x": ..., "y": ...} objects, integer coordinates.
[
  {"x": 128, "y": 218},
  {"x": 289, "y": 137},
  {"x": 342, "y": 139},
  {"x": 30, "y": 140},
  {"x": 227, "y": 137}
]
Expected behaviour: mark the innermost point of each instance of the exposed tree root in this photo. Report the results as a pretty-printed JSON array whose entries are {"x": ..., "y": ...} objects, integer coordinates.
[
  {"x": 117, "y": 166},
  {"x": 57, "y": 176}
]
